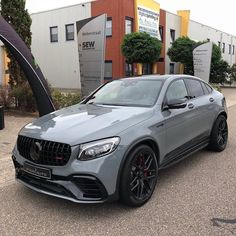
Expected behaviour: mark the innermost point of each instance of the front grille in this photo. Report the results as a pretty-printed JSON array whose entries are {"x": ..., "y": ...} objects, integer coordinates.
[
  {"x": 91, "y": 188},
  {"x": 49, "y": 153}
]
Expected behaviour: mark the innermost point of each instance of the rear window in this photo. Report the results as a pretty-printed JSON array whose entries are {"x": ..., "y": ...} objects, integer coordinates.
[{"x": 194, "y": 87}]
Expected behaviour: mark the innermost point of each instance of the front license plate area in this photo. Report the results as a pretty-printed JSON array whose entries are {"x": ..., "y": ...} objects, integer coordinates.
[{"x": 37, "y": 171}]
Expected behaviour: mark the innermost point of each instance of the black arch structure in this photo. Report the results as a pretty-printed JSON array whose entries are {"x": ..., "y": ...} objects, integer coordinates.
[{"x": 34, "y": 75}]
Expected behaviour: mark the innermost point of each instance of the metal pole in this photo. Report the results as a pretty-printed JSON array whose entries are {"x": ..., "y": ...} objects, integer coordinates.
[{"x": 2, "y": 125}]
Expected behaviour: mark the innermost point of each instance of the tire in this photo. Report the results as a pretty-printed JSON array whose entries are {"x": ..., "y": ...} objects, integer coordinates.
[
  {"x": 139, "y": 176},
  {"x": 219, "y": 134}
]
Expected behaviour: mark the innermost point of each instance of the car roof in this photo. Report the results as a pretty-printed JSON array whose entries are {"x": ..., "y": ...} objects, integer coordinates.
[{"x": 161, "y": 77}]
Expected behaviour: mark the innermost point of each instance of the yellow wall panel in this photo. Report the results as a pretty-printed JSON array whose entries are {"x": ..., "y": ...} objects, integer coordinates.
[{"x": 185, "y": 17}]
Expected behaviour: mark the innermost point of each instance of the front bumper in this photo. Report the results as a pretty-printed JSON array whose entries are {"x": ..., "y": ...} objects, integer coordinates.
[
  {"x": 76, "y": 188},
  {"x": 92, "y": 181}
]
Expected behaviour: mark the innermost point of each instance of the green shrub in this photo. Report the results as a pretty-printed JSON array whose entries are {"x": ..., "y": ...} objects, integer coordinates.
[
  {"x": 5, "y": 99},
  {"x": 61, "y": 99},
  {"x": 23, "y": 97}
]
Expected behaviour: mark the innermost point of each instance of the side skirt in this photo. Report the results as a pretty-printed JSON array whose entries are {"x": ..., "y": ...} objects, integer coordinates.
[{"x": 176, "y": 156}]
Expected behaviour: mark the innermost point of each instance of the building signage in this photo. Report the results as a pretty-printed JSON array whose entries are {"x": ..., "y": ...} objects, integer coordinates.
[
  {"x": 91, "y": 47},
  {"x": 148, "y": 21},
  {"x": 147, "y": 15},
  {"x": 202, "y": 61}
]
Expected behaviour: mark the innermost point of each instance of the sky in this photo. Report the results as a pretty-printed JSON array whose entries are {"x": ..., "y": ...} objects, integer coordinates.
[{"x": 218, "y": 14}]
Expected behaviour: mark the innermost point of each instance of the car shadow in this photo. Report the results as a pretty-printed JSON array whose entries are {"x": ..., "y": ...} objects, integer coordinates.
[
  {"x": 226, "y": 224},
  {"x": 186, "y": 164}
]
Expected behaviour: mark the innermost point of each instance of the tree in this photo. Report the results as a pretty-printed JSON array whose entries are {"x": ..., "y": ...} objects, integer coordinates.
[
  {"x": 233, "y": 73},
  {"x": 182, "y": 51},
  {"x": 219, "y": 71},
  {"x": 139, "y": 47},
  {"x": 14, "y": 13}
]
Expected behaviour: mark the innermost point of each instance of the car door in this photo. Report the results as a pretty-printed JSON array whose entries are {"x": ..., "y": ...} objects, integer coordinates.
[
  {"x": 180, "y": 123},
  {"x": 202, "y": 98}
]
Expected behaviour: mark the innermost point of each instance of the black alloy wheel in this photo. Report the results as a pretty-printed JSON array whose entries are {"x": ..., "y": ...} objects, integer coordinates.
[
  {"x": 219, "y": 134},
  {"x": 139, "y": 176},
  {"x": 222, "y": 133}
]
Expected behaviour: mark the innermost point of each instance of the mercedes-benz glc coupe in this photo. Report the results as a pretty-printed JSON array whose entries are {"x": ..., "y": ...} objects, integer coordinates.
[{"x": 113, "y": 144}]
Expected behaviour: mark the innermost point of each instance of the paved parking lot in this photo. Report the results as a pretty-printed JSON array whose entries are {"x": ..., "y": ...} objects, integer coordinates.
[{"x": 195, "y": 197}]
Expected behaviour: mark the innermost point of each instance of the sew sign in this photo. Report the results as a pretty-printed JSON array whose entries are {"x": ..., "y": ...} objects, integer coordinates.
[
  {"x": 88, "y": 45},
  {"x": 91, "y": 49}
]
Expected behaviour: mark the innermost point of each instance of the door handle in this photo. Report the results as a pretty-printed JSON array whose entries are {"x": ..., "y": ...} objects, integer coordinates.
[
  {"x": 211, "y": 99},
  {"x": 190, "y": 106}
]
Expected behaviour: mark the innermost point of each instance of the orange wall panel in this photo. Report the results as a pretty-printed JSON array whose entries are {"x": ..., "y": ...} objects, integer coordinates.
[
  {"x": 161, "y": 65},
  {"x": 118, "y": 10}
]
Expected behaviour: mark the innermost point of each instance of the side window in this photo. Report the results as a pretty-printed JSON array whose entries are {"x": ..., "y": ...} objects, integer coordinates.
[
  {"x": 176, "y": 90},
  {"x": 194, "y": 87},
  {"x": 208, "y": 88},
  {"x": 204, "y": 88}
]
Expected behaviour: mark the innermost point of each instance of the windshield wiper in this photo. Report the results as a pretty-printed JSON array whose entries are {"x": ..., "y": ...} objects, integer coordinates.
[
  {"x": 89, "y": 99},
  {"x": 116, "y": 104}
]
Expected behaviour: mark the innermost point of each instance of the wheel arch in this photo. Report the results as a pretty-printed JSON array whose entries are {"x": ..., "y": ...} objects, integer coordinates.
[
  {"x": 149, "y": 141},
  {"x": 223, "y": 113}
]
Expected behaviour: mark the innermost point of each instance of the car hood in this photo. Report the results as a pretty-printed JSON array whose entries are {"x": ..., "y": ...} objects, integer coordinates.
[{"x": 83, "y": 123}]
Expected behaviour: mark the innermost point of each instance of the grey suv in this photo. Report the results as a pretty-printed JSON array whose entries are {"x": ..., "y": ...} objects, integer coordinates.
[{"x": 113, "y": 144}]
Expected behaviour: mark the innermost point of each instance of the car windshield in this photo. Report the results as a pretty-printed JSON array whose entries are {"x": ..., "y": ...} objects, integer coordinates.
[{"x": 128, "y": 93}]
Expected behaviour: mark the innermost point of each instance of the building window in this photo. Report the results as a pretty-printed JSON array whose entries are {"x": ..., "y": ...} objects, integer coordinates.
[
  {"x": 230, "y": 48},
  {"x": 109, "y": 27},
  {"x": 161, "y": 31},
  {"x": 172, "y": 68},
  {"x": 54, "y": 34},
  {"x": 147, "y": 68},
  {"x": 69, "y": 32},
  {"x": 172, "y": 35},
  {"x": 219, "y": 44},
  {"x": 233, "y": 50},
  {"x": 108, "y": 70},
  {"x": 223, "y": 47},
  {"x": 128, "y": 69},
  {"x": 128, "y": 25}
]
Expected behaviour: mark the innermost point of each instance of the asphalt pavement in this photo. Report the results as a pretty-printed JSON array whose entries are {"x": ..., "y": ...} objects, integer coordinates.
[{"x": 195, "y": 197}]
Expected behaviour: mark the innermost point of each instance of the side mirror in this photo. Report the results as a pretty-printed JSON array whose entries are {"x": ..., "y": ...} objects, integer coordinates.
[{"x": 175, "y": 104}]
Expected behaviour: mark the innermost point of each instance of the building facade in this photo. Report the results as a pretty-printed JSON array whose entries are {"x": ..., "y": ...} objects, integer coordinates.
[
  {"x": 54, "y": 40},
  {"x": 54, "y": 44}
]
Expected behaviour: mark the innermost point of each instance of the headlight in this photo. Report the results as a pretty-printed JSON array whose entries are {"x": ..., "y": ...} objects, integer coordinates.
[{"x": 97, "y": 149}]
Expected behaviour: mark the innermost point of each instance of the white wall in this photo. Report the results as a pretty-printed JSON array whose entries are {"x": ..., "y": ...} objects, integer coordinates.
[
  {"x": 173, "y": 21},
  {"x": 200, "y": 32},
  {"x": 58, "y": 61}
]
